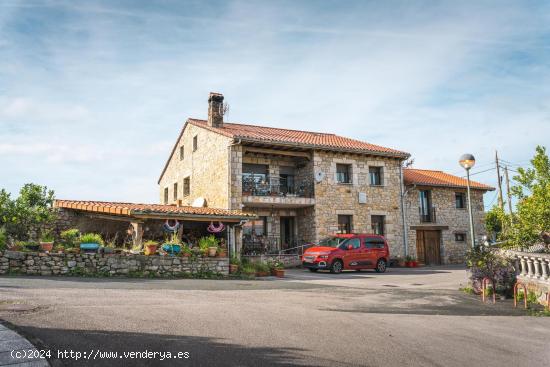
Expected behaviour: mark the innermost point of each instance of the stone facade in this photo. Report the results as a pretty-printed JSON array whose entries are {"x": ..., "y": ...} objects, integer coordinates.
[
  {"x": 207, "y": 168},
  {"x": 449, "y": 220},
  {"x": 34, "y": 263},
  {"x": 333, "y": 198}
]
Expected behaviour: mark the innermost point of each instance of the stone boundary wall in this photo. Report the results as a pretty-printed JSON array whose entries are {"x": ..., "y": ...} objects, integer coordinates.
[{"x": 39, "y": 263}]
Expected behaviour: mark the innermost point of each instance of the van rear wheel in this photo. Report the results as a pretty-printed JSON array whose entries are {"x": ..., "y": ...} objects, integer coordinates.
[{"x": 381, "y": 266}]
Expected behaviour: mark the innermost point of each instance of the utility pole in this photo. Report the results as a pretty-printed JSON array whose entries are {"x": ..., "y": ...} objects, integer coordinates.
[
  {"x": 508, "y": 191},
  {"x": 500, "y": 200}
]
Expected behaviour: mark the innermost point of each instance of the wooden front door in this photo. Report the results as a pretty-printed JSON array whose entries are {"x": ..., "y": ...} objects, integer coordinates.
[{"x": 428, "y": 247}]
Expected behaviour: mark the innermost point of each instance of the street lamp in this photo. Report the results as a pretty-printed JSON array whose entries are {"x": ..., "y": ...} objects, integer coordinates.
[{"x": 467, "y": 161}]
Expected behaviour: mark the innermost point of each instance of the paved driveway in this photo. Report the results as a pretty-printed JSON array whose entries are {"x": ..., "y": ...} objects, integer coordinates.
[{"x": 401, "y": 318}]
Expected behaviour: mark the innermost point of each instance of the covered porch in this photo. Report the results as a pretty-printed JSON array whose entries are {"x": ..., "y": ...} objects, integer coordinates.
[{"x": 131, "y": 224}]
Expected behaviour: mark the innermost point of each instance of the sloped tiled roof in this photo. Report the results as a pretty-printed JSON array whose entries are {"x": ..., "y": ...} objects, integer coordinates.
[
  {"x": 132, "y": 209},
  {"x": 298, "y": 137},
  {"x": 413, "y": 176}
]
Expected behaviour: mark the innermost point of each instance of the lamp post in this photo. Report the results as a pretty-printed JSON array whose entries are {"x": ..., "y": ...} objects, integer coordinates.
[{"x": 467, "y": 161}]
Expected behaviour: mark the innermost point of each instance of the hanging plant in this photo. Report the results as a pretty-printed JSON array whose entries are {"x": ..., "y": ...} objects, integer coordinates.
[
  {"x": 215, "y": 229},
  {"x": 171, "y": 228}
]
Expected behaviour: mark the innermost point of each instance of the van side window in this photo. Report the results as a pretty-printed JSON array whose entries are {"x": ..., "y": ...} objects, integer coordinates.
[
  {"x": 374, "y": 243},
  {"x": 354, "y": 242}
]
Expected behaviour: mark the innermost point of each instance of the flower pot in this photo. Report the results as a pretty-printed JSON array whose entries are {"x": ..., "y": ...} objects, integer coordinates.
[
  {"x": 150, "y": 249},
  {"x": 186, "y": 254},
  {"x": 222, "y": 253},
  {"x": 32, "y": 247},
  {"x": 233, "y": 268},
  {"x": 262, "y": 274},
  {"x": 46, "y": 246},
  {"x": 89, "y": 247},
  {"x": 279, "y": 273},
  {"x": 171, "y": 248},
  {"x": 108, "y": 250},
  {"x": 212, "y": 251}
]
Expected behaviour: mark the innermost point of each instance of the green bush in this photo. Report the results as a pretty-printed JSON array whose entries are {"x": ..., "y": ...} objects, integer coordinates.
[
  {"x": 3, "y": 239},
  {"x": 248, "y": 269},
  {"x": 91, "y": 238},
  {"x": 69, "y": 238},
  {"x": 235, "y": 261},
  {"x": 261, "y": 267}
]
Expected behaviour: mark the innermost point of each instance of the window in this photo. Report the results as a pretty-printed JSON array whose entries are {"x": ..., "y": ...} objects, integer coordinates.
[
  {"x": 425, "y": 206},
  {"x": 374, "y": 243},
  {"x": 255, "y": 227},
  {"x": 186, "y": 186},
  {"x": 460, "y": 200},
  {"x": 343, "y": 173},
  {"x": 377, "y": 224},
  {"x": 354, "y": 242},
  {"x": 344, "y": 224},
  {"x": 195, "y": 143},
  {"x": 375, "y": 174},
  {"x": 166, "y": 195},
  {"x": 182, "y": 153},
  {"x": 460, "y": 237},
  {"x": 175, "y": 191}
]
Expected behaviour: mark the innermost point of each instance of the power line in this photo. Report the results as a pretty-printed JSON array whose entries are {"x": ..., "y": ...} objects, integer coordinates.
[{"x": 476, "y": 173}]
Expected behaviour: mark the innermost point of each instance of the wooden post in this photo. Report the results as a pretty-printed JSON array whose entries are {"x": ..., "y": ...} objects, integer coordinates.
[{"x": 137, "y": 234}]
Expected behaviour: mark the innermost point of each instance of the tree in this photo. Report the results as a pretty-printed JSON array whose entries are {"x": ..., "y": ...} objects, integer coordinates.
[
  {"x": 495, "y": 222},
  {"x": 532, "y": 215},
  {"x": 31, "y": 210}
]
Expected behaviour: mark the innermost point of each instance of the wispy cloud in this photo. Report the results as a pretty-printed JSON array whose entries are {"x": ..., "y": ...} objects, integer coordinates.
[{"x": 96, "y": 92}]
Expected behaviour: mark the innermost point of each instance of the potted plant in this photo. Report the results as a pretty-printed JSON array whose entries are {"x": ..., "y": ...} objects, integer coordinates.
[
  {"x": 46, "y": 241},
  {"x": 58, "y": 249},
  {"x": 401, "y": 262},
  {"x": 109, "y": 248},
  {"x": 209, "y": 243},
  {"x": 69, "y": 238},
  {"x": 186, "y": 251},
  {"x": 150, "y": 247},
  {"x": 234, "y": 265},
  {"x": 248, "y": 269},
  {"x": 222, "y": 251},
  {"x": 172, "y": 246},
  {"x": 31, "y": 246},
  {"x": 90, "y": 242},
  {"x": 277, "y": 269},
  {"x": 262, "y": 269}
]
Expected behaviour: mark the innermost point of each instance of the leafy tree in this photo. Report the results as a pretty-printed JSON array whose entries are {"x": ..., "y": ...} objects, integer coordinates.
[
  {"x": 31, "y": 209},
  {"x": 495, "y": 221},
  {"x": 532, "y": 215}
]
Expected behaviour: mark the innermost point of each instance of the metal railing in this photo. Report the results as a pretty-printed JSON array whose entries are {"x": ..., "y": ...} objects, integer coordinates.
[
  {"x": 427, "y": 215},
  {"x": 271, "y": 245},
  {"x": 262, "y": 185}
]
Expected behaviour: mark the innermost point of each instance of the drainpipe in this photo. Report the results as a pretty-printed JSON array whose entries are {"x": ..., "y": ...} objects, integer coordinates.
[{"x": 403, "y": 216}]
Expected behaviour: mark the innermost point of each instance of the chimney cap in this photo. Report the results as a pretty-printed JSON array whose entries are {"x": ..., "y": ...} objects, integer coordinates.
[{"x": 217, "y": 97}]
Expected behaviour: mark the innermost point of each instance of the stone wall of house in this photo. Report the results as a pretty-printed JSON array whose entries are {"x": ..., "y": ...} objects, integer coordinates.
[
  {"x": 333, "y": 198},
  {"x": 207, "y": 168},
  {"x": 457, "y": 220},
  {"x": 34, "y": 263}
]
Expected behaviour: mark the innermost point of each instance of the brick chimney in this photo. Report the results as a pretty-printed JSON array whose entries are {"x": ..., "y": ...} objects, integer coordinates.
[{"x": 215, "y": 110}]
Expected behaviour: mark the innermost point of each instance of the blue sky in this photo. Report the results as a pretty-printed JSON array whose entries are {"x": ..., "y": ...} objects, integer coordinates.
[{"x": 93, "y": 94}]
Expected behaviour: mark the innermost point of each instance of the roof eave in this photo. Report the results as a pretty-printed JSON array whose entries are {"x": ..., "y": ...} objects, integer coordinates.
[
  {"x": 401, "y": 155},
  {"x": 448, "y": 186}
]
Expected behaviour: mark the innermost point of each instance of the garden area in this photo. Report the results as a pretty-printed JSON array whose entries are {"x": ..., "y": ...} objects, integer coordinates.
[
  {"x": 514, "y": 262},
  {"x": 38, "y": 238}
]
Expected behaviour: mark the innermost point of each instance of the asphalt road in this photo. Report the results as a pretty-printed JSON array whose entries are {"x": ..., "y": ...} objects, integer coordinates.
[{"x": 401, "y": 318}]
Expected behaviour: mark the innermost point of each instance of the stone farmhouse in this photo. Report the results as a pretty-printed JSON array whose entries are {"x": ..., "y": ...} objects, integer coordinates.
[{"x": 303, "y": 186}]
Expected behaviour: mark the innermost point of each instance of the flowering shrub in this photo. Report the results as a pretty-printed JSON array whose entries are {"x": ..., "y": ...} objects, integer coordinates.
[{"x": 484, "y": 262}]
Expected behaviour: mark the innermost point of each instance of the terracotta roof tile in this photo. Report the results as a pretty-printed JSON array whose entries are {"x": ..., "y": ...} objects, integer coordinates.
[
  {"x": 131, "y": 209},
  {"x": 425, "y": 177},
  {"x": 297, "y": 137}
]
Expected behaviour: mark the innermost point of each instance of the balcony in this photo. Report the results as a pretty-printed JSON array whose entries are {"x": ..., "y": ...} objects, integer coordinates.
[
  {"x": 427, "y": 215},
  {"x": 281, "y": 191}
]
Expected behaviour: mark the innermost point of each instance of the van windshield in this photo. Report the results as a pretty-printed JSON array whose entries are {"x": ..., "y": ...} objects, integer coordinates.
[{"x": 331, "y": 241}]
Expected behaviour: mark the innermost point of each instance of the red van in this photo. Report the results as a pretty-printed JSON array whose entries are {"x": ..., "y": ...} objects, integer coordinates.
[{"x": 348, "y": 252}]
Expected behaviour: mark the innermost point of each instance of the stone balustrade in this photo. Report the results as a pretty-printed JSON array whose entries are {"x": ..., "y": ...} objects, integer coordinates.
[{"x": 532, "y": 267}]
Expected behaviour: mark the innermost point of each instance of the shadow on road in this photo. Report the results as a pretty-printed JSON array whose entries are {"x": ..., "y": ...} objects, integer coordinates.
[{"x": 203, "y": 351}]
